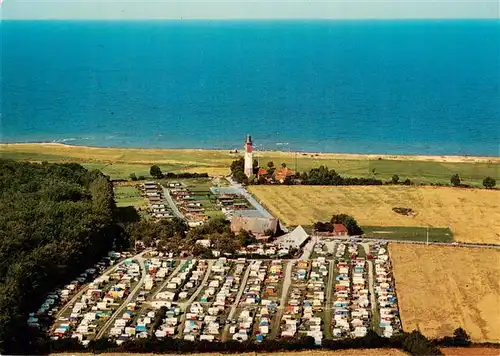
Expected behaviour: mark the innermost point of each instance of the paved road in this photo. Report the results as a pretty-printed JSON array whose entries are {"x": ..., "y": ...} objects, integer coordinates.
[
  {"x": 371, "y": 287},
  {"x": 306, "y": 251},
  {"x": 284, "y": 294},
  {"x": 371, "y": 283},
  {"x": 236, "y": 302},
  {"x": 329, "y": 296},
  {"x": 171, "y": 203},
  {"x": 170, "y": 276},
  {"x": 187, "y": 303},
  {"x": 107, "y": 271},
  {"x": 453, "y": 244},
  {"x": 129, "y": 299}
]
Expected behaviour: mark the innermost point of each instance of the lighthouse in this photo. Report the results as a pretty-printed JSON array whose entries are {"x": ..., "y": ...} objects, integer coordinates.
[{"x": 248, "y": 156}]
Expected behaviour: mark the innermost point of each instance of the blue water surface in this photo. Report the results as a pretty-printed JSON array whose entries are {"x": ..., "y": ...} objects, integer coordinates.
[{"x": 409, "y": 87}]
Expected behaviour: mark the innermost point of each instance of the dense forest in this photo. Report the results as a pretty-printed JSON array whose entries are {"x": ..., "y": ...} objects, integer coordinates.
[{"x": 56, "y": 219}]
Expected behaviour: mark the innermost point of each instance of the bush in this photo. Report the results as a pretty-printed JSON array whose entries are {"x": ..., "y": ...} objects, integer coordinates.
[
  {"x": 155, "y": 172},
  {"x": 455, "y": 180},
  {"x": 489, "y": 182}
]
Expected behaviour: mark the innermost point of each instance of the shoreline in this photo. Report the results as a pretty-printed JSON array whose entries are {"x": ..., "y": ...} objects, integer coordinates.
[{"x": 33, "y": 147}]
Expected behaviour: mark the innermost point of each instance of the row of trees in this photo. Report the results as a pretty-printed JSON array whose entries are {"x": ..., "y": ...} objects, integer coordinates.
[
  {"x": 414, "y": 343},
  {"x": 56, "y": 219},
  {"x": 155, "y": 172},
  {"x": 488, "y": 182}
]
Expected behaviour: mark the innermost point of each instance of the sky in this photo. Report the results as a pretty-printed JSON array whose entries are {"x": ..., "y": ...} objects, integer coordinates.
[{"x": 249, "y": 9}]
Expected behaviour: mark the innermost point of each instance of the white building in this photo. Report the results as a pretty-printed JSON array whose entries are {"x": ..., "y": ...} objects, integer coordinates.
[{"x": 294, "y": 239}]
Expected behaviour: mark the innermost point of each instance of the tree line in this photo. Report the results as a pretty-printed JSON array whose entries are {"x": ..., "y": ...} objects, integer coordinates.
[
  {"x": 56, "y": 219},
  {"x": 412, "y": 342},
  {"x": 324, "y": 176},
  {"x": 155, "y": 172}
]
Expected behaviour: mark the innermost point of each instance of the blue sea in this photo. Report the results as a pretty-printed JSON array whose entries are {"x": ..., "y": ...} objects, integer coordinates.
[{"x": 407, "y": 87}]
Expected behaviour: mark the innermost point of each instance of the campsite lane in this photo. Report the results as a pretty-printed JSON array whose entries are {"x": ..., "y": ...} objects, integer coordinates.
[{"x": 129, "y": 299}]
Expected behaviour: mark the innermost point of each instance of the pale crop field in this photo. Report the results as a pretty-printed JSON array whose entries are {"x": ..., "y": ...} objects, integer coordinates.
[
  {"x": 442, "y": 288},
  {"x": 473, "y": 215}
]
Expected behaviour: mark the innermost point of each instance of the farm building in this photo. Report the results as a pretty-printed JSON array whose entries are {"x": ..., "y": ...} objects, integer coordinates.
[
  {"x": 340, "y": 230},
  {"x": 282, "y": 173},
  {"x": 252, "y": 220},
  {"x": 294, "y": 239}
]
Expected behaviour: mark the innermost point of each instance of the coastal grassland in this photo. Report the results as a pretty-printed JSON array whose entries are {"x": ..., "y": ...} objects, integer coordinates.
[
  {"x": 413, "y": 233},
  {"x": 128, "y": 196},
  {"x": 473, "y": 215},
  {"x": 441, "y": 288},
  {"x": 120, "y": 162}
]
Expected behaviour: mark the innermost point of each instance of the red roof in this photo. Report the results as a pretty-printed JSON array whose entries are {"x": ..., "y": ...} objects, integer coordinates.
[
  {"x": 339, "y": 228},
  {"x": 281, "y": 173},
  {"x": 261, "y": 172}
]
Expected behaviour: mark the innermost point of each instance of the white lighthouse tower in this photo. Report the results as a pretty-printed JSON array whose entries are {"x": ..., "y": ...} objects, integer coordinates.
[{"x": 248, "y": 156}]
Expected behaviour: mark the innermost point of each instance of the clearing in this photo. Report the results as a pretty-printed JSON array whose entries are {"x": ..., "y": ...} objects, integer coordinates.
[
  {"x": 442, "y": 288},
  {"x": 128, "y": 196},
  {"x": 473, "y": 215}
]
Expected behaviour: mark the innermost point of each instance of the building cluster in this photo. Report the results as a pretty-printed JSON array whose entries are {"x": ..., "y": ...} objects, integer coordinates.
[
  {"x": 230, "y": 299},
  {"x": 230, "y": 200},
  {"x": 306, "y": 302},
  {"x": 206, "y": 316},
  {"x": 351, "y": 306},
  {"x": 259, "y": 301},
  {"x": 178, "y": 288},
  {"x": 157, "y": 206},
  {"x": 188, "y": 203},
  {"x": 96, "y": 305},
  {"x": 384, "y": 290},
  {"x": 187, "y": 279}
]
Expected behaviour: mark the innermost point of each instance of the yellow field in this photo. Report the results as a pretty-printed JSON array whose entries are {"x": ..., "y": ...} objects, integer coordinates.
[
  {"x": 442, "y": 288},
  {"x": 470, "y": 351},
  {"x": 472, "y": 214}
]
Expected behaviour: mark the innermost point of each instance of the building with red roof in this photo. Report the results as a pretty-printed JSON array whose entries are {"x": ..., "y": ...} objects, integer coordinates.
[
  {"x": 262, "y": 172},
  {"x": 340, "y": 230},
  {"x": 280, "y": 174}
]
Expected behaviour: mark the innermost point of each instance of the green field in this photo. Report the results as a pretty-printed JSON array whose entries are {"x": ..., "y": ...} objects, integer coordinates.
[
  {"x": 118, "y": 163},
  {"x": 409, "y": 233},
  {"x": 128, "y": 196}
]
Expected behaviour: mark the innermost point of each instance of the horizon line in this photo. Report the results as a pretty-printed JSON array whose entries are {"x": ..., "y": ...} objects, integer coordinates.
[{"x": 257, "y": 19}]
